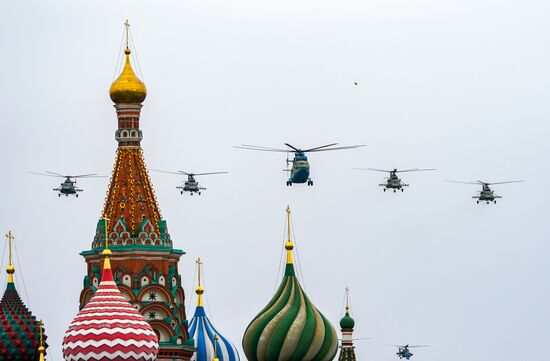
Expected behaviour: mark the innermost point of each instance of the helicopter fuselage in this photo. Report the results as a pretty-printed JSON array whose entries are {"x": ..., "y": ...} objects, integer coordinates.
[
  {"x": 404, "y": 353},
  {"x": 67, "y": 188},
  {"x": 486, "y": 195},
  {"x": 299, "y": 173},
  {"x": 393, "y": 182},
  {"x": 191, "y": 186}
]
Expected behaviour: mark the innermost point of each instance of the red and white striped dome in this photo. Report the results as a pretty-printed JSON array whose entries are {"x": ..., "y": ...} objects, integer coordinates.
[{"x": 109, "y": 328}]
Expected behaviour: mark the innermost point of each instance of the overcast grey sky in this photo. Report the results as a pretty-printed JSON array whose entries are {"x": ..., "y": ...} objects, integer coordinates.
[{"x": 462, "y": 86}]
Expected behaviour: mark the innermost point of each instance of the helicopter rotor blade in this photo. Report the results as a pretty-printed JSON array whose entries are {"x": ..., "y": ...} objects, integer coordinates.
[
  {"x": 321, "y": 147},
  {"x": 47, "y": 175},
  {"x": 415, "y": 170},
  {"x": 336, "y": 148},
  {"x": 56, "y": 174},
  {"x": 293, "y": 147},
  {"x": 418, "y": 346},
  {"x": 374, "y": 170},
  {"x": 260, "y": 148},
  {"x": 86, "y": 176},
  {"x": 515, "y": 181},
  {"x": 168, "y": 172},
  {"x": 210, "y": 173},
  {"x": 460, "y": 182}
]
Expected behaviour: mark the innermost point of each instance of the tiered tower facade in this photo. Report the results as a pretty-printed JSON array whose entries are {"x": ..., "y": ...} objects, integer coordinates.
[{"x": 144, "y": 262}]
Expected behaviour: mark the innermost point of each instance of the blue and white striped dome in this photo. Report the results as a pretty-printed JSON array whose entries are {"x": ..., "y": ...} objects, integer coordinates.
[{"x": 203, "y": 332}]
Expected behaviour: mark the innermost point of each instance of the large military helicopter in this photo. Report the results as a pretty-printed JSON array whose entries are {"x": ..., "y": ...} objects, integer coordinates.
[
  {"x": 299, "y": 172},
  {"x": 404, "y": 351},
  {"x": 393, "y": 181},
  {"x": 486, "y": 194},
  {"x": 190, "y": 185},
  {"x": 68, "y": 186}
]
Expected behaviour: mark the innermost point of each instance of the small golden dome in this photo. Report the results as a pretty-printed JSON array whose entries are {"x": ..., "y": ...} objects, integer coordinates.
[
  {"x": 127, "y": 88},
  {"x": 10, "y": 269},
  {"x": 106, "y": 252},
  {"x": 289, "y": 246},
  {"x": 199, "y": 290}
]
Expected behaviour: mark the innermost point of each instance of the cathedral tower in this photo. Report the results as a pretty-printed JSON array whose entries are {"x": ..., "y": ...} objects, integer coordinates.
[
  {"x": 144, "y": 263},
  {"x": 347, "y": 351}
]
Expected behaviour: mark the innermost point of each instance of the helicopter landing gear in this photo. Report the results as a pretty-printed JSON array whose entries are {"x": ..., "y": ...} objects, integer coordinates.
[
  {"x": 77, "y": 195},
  {"x": 59, "y": 195},
  {"x": 487, "y": 202},
  {"x": 495, "y": 202},
  {"x": 199, "y": 193},
  {"x": 181, "y": 192},
  {"x": 309, "y": 182},
  {"x": 477, "y": 202},
  {"x": 402, "y": 189},
  {"x": 394, "y": 191},
  {"x": 384, "y": 189},
  {"x": 289, "y": 183}
]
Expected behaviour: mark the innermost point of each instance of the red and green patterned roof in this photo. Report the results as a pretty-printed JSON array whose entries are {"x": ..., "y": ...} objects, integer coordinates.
[{"x": 19, "y": 329}]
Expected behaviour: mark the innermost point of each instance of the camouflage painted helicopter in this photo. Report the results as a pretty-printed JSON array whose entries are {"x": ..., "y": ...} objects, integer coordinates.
[
  {"x": 190, "y": 185},
  {"x": 404, "y": 351},
  {"x": 486, "y": 194},
  {"x": 68, "y": 186},
  {"x": 393, "y": 181},
  {"x": 300, "y": 170}
]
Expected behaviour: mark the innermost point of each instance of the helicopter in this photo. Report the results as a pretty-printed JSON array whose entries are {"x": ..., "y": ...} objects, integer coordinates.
[
  {"x": 190, "y": 185},
  {"x": 404, "y": 351},
  {"x": 69, "y": 184},
  {"x": 393, "y": 181},
  {"x": 300, "y": 170},
  {"x": 486, "y": 194}
]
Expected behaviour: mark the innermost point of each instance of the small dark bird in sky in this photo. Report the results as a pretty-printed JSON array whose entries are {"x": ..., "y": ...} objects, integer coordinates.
[{"x": 356, "y": 83}]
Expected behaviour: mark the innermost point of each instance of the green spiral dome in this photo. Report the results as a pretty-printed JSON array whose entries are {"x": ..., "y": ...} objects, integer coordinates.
[{"x": 290, "y": 328}]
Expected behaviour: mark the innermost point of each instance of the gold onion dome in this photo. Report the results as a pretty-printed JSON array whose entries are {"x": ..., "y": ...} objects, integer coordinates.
[
  {"x": 128, "y": 88},
  {"x": 290, "y": 327}
]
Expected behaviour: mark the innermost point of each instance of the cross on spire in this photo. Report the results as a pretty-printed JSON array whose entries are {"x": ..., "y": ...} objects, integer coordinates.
[
  {"x": 127, "y": 29},
  {"x": 289, "y": 245},
  {"x": 200, "y": 289},
  {"x": 199, "y": 264},
  {"x": 10, "y": 269},
  {"x": 106, "y": 224},
  {"x": 10, "y": 237}
]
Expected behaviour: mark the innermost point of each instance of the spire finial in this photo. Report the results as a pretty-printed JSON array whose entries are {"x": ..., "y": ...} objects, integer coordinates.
[
  {"x": 127, "y": 29},
  {"x": 106, "y": 252},
  {"x": 200, "y": 289},
  {"x": 10, "y": 269},
  {"x": 216, "y": 348},
  {"x": 347, "y": 300},
  {"x": 289, "y": 245},
  {"x": 41, "y": 348}
]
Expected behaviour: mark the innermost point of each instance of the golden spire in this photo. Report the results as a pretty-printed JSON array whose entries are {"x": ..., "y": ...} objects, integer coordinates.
[
  {"x": 128, "y": 88},
  {"x": 216, "y": 348},
  {"x": 200, "y": 289},
  {"x": 106, "y": 252},
  {"x": 289, "y": 245},
  {"x": 10, "y": 269},
  {"x": 41, "y": 348}
]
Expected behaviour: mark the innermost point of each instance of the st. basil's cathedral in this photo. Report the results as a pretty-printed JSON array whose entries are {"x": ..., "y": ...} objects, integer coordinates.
[{"x": 132, "y": 305}]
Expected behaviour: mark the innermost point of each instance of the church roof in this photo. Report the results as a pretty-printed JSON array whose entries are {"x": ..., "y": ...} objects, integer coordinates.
[
  {"x": 290, "y": 327},
  {"x": 19, "y": 330},
  {"x": 109, "y": 328},
  {"x": 208, "y": 341}
]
